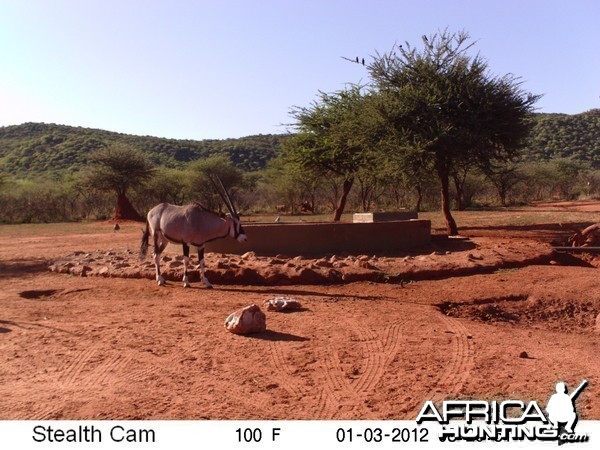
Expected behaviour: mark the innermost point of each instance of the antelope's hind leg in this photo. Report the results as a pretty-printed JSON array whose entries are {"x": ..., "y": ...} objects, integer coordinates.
[
  {"x": 201, "y": 264},
  {"x": 159, "y": 247},
  {"x": 186, "y": 262}
]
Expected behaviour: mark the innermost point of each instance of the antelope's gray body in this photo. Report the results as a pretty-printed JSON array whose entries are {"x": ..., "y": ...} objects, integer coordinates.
[{"x": 188, "y": 225}]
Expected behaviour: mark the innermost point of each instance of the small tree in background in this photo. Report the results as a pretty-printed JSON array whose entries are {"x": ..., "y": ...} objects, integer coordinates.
[
  {"x": 333, "y": 139},
  {"x": 201, "y": 187},
  {"x": 504, "y": 177},
  {"x": 119, "y": 168}
]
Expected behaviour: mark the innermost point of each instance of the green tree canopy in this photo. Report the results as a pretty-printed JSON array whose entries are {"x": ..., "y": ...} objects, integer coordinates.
[
  {"x": 442, "y": 107},
  {"x": 119, "y": 168},
  {"x": 334, "y": 138},
  {"x": 201, "y": 187}
]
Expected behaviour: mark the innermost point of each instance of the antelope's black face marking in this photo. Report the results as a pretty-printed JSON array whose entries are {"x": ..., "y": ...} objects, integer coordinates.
[{"x": 238, "y": 230}]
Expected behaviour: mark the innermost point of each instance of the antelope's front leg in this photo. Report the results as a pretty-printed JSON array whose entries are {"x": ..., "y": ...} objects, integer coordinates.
[
  {"x": 201, "y": 260},
  {"x": 186, "y": 261}
]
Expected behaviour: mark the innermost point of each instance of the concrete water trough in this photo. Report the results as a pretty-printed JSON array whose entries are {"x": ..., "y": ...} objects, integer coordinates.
[{"x": 327, "y": 237}]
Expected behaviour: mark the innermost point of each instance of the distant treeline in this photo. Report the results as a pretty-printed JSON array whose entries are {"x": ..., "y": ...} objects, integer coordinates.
[
  {"x": 43, "y": 174},
  {"x": 34, "y": 149}
]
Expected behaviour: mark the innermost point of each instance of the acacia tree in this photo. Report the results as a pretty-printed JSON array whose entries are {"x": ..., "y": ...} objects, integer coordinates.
[
  {"x": 444, "y": 108},
  {"x": 331, "y": 138},
  {"x": 201, "y": 186},
  {"x": 119, "y": 168},
  {"x": 504, "y": 177}
]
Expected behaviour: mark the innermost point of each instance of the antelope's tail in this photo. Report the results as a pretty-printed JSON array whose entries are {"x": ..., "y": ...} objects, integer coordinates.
[{"x": 144, "y": 245}]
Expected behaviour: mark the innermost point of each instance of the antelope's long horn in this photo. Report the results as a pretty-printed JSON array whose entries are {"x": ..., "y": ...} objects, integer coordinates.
[
  {"x": 229, "y": 200},
  {"x": 223, "y": 194}
]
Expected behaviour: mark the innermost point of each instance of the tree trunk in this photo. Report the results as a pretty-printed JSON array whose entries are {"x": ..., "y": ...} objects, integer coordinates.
[
  {"x": 460, "y": 195},
  {"x": 342, "y": 202},
  {"x": 451, "y": 227},
  {"x": 419, "y": 198},
  {"x": 125, "y": 210},
  {"x": 502, "y": 194}
]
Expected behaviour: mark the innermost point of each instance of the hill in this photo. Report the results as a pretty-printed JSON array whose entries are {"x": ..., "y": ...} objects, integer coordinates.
[
  {"x": 36, "y": 148},
  {"x": 574, "y": 136}
]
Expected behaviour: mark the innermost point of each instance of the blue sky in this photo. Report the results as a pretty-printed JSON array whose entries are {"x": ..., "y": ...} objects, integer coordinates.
[{"x": 218, "y": 69}]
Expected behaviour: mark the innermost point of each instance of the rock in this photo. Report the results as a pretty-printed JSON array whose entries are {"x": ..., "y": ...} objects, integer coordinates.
[
  {"x": 246, "y": 320},
  {"x": 80, "y": 271},
  {"x": 523, "y": 355},
  {"x": 66, "y": 268},
  {"x": 473, "y": 257},
  {"x": 282, "y": 304},
  {"x": 104, "y": 271},
  {"x": 364, "y": 264},
  {"x": 553, "y": 262},
  {"x": 363, "y": 258},
  {"x": 167, "y": 258},
  {"x": 322, "y": 263},
  {"x": 249, "y": 255},
  {"x": 339, "y": 264}
]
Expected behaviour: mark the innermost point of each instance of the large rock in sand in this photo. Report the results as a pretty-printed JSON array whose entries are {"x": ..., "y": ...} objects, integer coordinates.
[{"x": 246, "y": 320}]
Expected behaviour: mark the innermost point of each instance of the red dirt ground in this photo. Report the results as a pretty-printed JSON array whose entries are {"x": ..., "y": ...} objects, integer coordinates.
[{"x": 115, "y": 348}]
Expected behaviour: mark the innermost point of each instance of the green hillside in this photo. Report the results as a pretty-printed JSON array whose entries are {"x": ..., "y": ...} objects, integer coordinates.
[
  {"x": 574, "y": 136},
  {"x": 36, "y": 148}
]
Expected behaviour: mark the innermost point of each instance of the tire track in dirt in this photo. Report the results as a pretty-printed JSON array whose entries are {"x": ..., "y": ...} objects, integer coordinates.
[
  {"x": 139, "y": 375},
  {"x": 340, "y": 394},
  {"x": 290, "y": 383},
  {"x": 107, "y": 369},
  {"x": 452, "y": 380},
  {"x": 39, "y": 411},
  {"x": 457, "y": 371},
  {"x": 350, "y": 395},
  {"x": 48, "y": 412},
  {"x": 380, "y": 352},
  {"x": 69, "y": 372}
]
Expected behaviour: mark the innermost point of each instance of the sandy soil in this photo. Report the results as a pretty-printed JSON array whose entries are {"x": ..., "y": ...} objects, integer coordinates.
[{"x": 120, "y": 348}]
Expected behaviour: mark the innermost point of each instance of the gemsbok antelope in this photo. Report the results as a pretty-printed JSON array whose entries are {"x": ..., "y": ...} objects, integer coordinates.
[{"x": 187, "y": 225}]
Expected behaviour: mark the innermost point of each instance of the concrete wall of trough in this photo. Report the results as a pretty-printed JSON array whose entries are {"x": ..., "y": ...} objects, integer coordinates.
[{"x": 319, "y": 238}]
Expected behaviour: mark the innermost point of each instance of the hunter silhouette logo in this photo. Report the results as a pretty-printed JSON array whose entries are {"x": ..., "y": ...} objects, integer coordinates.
[
  {"x": 479, "y": 420},
  {"x": 561, "y": 410}
]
